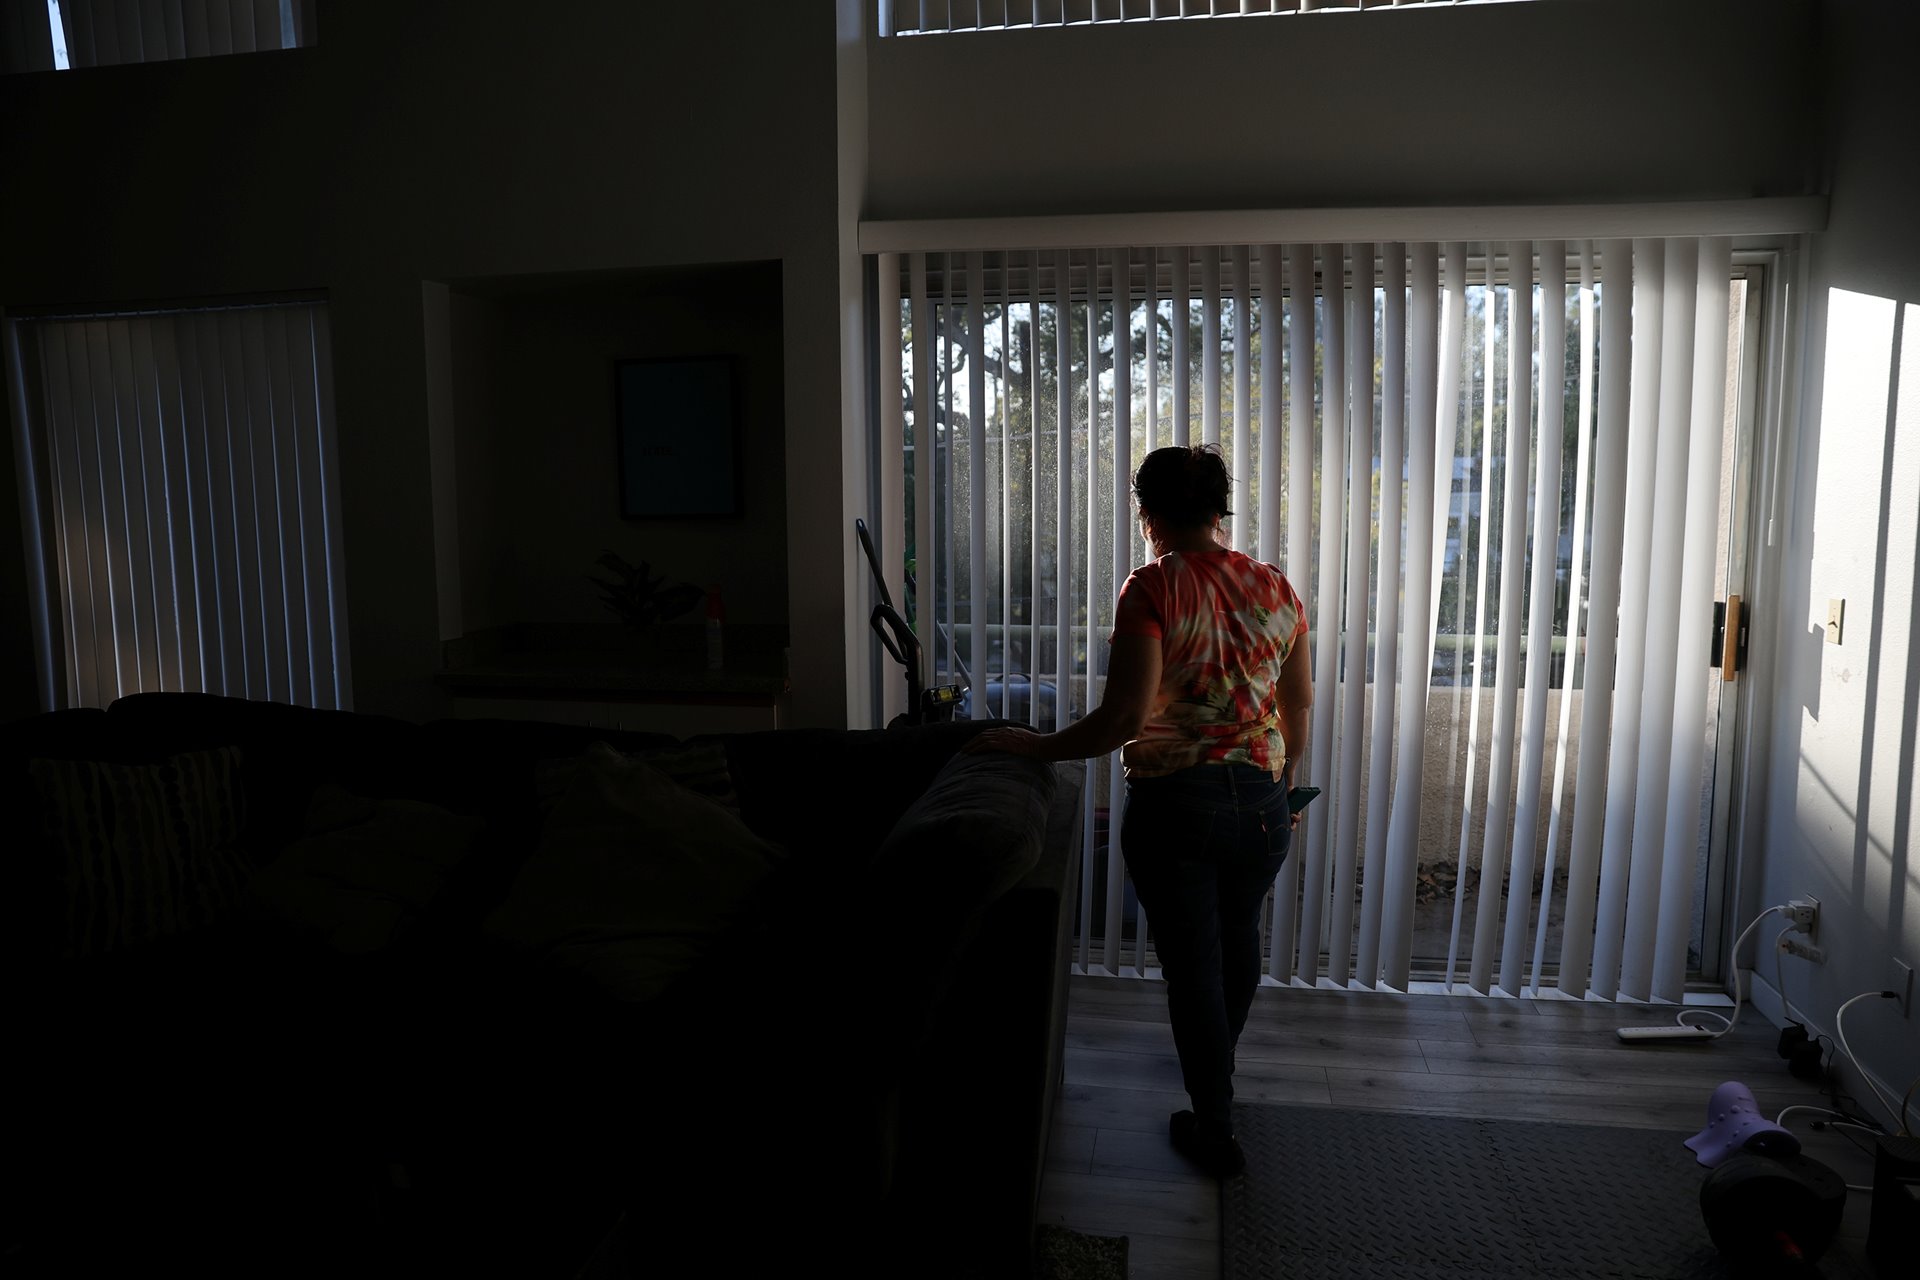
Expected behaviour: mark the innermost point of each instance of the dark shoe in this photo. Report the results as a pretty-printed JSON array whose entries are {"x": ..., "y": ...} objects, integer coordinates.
[{"x": 1220, "y": 1157}]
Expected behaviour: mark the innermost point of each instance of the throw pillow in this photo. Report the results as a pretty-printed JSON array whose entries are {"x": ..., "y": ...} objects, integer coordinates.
[
  {"x": 634, "y": 881},
  {"x": 145, "y": 851},
  {"x": 363, "y": 870},
  {"x": 968, "y": 839},
  {"x": 701, "y": 767},
  {"x": 972, "y": 833}
]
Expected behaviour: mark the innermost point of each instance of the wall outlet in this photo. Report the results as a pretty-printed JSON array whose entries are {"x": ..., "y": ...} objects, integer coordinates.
[
  {"x": 1795, "y": 946},
  {"x": 1804, "y": 915},
  {"x": 1902, "y": 987}
]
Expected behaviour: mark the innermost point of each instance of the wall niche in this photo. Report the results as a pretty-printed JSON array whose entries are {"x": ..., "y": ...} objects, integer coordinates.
[
  {"x": 527, "y": 441},
  {"x": 524, "y": 427}
]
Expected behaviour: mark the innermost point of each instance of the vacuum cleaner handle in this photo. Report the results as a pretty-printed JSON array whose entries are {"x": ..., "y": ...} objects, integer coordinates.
[
  {"x": 873, "y": 562},
  {"x": 894, "y": 636}
]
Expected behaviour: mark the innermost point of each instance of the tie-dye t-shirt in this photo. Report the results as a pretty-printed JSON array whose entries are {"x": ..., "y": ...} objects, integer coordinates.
[{"x": 1225, "y": 623}]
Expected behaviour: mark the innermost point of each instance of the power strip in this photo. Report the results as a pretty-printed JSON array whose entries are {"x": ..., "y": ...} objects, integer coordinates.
[
  {"x": 1796, "y": 946},
  {"x": 1663, "y": 1031}
]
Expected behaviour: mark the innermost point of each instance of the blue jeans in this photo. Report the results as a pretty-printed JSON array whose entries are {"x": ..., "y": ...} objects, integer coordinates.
[{"x": 1203, "y": 846}]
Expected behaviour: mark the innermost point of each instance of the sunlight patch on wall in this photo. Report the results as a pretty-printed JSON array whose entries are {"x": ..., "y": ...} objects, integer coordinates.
[
  {"x": 1866, "y": 551},
  {"x": 1852, "y": 426},
  {"x": 1892, "y": 748},
  {"x": 1851, "y": 434}
]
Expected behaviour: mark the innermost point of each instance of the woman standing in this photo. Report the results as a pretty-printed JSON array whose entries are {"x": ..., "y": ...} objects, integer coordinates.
[{"x": 1207, "y": 695}]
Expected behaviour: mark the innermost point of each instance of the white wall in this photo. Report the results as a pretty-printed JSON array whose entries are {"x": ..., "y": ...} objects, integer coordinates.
[
  {"x": 853, "y": 35},
  {"x": 1571, "y": 101},
  {"x": 1839, "y": 795}
]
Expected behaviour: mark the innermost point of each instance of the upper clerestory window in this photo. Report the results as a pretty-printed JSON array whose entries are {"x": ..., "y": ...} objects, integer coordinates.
[{"x": 942, "y": 17}]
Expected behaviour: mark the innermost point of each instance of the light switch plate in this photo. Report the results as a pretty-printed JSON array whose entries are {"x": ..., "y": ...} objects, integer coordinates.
[{"x": 1836, "y": 618}]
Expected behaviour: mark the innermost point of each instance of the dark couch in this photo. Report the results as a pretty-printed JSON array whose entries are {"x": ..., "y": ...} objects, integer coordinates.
[{"x": 336, "y": 1052}]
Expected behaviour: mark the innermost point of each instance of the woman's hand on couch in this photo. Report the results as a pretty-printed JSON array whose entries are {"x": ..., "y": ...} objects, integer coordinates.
[{"x": 1011, "y": 739}]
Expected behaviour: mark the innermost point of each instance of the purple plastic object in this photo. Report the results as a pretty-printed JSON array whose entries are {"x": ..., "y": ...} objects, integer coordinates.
[{"x": 1734, "y": 1123}]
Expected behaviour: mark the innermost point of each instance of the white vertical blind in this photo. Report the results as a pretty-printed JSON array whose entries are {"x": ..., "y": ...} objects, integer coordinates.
[
  {"x": 1494, "y": 847},
  {"x": 1476, "y": 657},
  {"x": 1478, "y": 543},
  {"x": 1325, "y": 594},
  {"x": 977, "y": 552},
  {"x": 1662, "y": 617},
  {"x": 1182, "y": 367},
  {"x": 1593, "y": 799},
  {"x": 920, "y": 319},
  {"x": 1005, "y": 400},
  {"x": 1694, "y": 613},
  {"x": 1152, "y": 264},
  {"x": 1093, "y": 531},
  {"x": 1435, "y": 346},
  {"x": 1122, "y": 545},
  {"x": 890, "y": 530},
  {"x": 1616, "y": 850},
  {"x": 1352, "y": 669},
  {"x": 1272, "y": 396},
  {"x": 1298, "y": 561},
  {"x": 1063, "y": 481},
  {"x": 1242, "y": 461},
  {"x": 1576, "y": 578},
  {"x": 1037, "y": 509},
  {"x": 1540, "y": 610},
  {"x": 185, "y": 477},
  {"x": 1210, "y": 346},
  {"x": 1393, "y": 500}
]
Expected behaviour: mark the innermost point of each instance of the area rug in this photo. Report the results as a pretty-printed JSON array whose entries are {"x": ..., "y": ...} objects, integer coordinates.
[
  {"x": 1060, "y": 1254},
  {"x": 1370, "y": 1195}
]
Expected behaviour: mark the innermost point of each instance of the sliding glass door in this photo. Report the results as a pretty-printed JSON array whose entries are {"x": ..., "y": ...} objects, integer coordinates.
[{"x": 1506, "y": 477}]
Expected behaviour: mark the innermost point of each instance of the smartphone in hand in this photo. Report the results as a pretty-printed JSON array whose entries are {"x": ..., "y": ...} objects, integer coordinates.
[{"x": 1300, "y": 797}]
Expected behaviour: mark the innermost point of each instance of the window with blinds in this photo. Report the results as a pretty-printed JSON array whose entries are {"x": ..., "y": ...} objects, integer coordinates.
[
  {"x": 183, "y": 487},
  {"x": 1495, "y": 472},
  {"x": 940, "y": 17},
  {"x": 61, "y": 35}
]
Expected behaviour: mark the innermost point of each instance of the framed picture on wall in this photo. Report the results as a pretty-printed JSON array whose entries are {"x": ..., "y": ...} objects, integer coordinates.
[{"x": 679, "y": 436}]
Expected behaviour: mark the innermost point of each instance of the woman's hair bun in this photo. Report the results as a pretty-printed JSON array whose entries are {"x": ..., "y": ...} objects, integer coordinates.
[{"x": 1183, "y": 486}]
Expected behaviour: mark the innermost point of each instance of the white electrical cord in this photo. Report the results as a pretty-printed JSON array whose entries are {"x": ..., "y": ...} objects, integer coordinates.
[
  {"x": 1840, "y": 1029},
  {"x": 1681, "y": 1017},
  {"x": 1842, "y": 1123},
  {"x": 1780, "y": 978}
]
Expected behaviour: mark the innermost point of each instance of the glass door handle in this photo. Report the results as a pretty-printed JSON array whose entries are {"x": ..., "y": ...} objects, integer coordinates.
[{"x": 1729, "y": 649}]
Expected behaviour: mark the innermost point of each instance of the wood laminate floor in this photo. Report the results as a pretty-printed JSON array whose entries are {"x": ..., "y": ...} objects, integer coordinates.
[{"x": 1110, "y": 1170}]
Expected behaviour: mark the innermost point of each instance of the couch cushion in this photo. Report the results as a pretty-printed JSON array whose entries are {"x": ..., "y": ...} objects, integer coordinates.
[
  {"x": 364, "y": 870},
  {"x": 143, "y": 851},
  {"x": 635, "y": 879}
]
